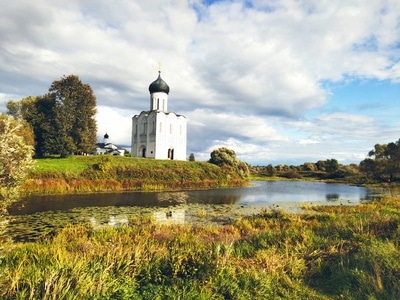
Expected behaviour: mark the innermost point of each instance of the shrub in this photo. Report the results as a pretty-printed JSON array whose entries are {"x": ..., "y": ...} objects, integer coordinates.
[{"x": 15, "y": 160}]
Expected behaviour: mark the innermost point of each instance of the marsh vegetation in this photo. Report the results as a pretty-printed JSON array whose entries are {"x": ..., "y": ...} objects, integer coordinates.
[{"x": 329, "y": 252}]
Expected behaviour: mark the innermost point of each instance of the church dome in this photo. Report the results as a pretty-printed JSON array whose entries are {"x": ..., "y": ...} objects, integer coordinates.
[{"x": 159, "y": 85}]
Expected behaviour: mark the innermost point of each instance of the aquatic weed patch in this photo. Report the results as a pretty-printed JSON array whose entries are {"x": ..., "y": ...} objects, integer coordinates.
[{"x": 334, "y": 253}]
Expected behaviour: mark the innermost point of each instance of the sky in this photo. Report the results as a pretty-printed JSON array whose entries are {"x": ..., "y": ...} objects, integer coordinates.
[{"x": 277, "y": 81}]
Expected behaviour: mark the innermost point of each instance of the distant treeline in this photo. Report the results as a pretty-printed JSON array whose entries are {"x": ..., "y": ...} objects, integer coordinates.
[
  {"x": 383, "y": 165},
  {"x": 322, "y": 170}
]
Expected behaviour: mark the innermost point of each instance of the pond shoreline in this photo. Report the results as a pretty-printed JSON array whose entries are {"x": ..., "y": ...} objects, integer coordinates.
[
  {"x": 203, "y": 207},
  {"x": 93, "y": 174},
  {"x": 381, "y": 190},
  {"x": 40, "y": 187}
]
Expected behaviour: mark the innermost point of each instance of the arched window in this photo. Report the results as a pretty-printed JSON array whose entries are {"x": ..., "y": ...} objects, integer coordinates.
[{"x": 144, "y": 127}]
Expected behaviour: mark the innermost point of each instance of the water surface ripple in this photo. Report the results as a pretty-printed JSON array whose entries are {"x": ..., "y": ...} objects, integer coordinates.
[{"x": 39, "y": 216}]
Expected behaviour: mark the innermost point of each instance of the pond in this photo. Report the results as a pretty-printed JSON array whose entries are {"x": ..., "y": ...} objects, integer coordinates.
[{"x": 39, "y": 216}]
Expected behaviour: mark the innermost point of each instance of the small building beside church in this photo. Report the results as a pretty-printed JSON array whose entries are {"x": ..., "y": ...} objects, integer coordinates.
[
  {"x": 158, "y": 133},
  {"x": 107, "y": 148}
]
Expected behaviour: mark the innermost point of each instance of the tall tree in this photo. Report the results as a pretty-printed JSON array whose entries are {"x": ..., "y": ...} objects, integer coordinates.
[
  {"x": 38, "y": 112},
  {"x": 20, "y": 111},
  {"x": 393, "y": 155},
  {"x": 75, "y": 110},
  {"x": 63, "y": 120},
  {"x": 42, "y": 119},
  {"x": 384, "y": 163}
]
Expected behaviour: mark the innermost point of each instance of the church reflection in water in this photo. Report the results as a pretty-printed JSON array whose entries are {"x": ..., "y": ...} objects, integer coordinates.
[
  {"x": 162, "y": 216},
  {"x": 113, "y": 221}
]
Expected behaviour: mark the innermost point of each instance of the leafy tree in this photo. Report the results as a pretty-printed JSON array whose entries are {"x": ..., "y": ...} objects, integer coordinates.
[
  {"x": 38, "y": 112},
  {"x": 63, "y": 120},
  {"x": 20, "y": 110},
  {"x": 331, "y": 165},
  {"x": 384, "y": 163},
  {"x": 15, "y": 159},
  {"x": 308, "y": 166},
  {"x": 227, "y": 157},
  {"x": 370, "y": 167},
  {"x": 191, "y": 157},
  {"x": 75, "y": 110},
  {"x": 42, "y": 119},
  {"x": 271, "y": 171},
  {"x": 223, "y": 156},
  {"x": 393, "y": 160},
  {"x": 321, "y": 164}
]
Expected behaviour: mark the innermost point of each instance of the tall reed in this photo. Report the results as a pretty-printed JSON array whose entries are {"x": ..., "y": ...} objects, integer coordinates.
[{"x": 329, "y": 253}]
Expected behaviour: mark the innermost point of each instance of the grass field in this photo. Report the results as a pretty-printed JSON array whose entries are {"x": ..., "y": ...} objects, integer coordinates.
[
  {"x": 77, "y": 164},
  {"x": 344, "y": 252},
  {"x": 86, "y": 174}
]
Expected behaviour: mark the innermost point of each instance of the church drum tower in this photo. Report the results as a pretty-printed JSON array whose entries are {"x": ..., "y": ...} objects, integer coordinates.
[{"x": 158, "y": 133}]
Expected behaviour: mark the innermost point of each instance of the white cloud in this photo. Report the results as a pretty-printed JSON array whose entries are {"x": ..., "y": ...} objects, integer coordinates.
[
  {"x": 246, "y": 74},
  {"x": 116, "y": 124}
]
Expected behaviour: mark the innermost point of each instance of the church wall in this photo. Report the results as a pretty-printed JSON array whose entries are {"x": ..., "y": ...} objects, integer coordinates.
[
  {"x": 159, "y": 101},
  {"x": 151, "y": 135},
  {"x": 143, "y": 135},
  {"x": 134, "y": 141},
  {"x": 180, "y": 138},
  {"x": 171, "y": 135},
  {"x": 175, "y": 135}
]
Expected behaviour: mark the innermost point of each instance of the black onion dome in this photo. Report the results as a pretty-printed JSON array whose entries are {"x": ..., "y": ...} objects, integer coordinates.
[
  {"x": 106, "y": 136},
  {"x": 159, "y": 85}
]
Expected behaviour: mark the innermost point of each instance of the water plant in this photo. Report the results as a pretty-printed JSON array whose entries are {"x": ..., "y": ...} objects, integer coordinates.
[{"x": 332, "y": 252}]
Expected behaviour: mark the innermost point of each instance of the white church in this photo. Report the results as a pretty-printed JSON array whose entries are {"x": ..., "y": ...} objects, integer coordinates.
[{"x": 158, "y": 133}]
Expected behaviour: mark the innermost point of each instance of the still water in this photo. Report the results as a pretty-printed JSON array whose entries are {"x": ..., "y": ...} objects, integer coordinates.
[{"x": 39, "y": 216}]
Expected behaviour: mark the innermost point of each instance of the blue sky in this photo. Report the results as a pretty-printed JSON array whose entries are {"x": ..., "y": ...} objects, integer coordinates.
[{"x": 278, "y": 81}]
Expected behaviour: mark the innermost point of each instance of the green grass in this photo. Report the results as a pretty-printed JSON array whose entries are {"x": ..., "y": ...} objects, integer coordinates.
[
  {"x": 73, "y": 164},
  {"x": 86, "y": 174},
  {"x": 343, "y": 252},
  {"x": 77, "y": 164}
]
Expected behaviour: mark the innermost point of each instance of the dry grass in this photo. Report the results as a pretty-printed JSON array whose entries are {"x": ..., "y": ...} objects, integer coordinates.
[{"x": 334, "y": 253}]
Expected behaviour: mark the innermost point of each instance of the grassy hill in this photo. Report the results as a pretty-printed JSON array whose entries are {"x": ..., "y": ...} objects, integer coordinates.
[{"x": 87, "y": 174}]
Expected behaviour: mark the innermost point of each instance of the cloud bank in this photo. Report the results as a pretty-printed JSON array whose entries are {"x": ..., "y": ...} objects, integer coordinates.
[{"x": 265, "y": 78}]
